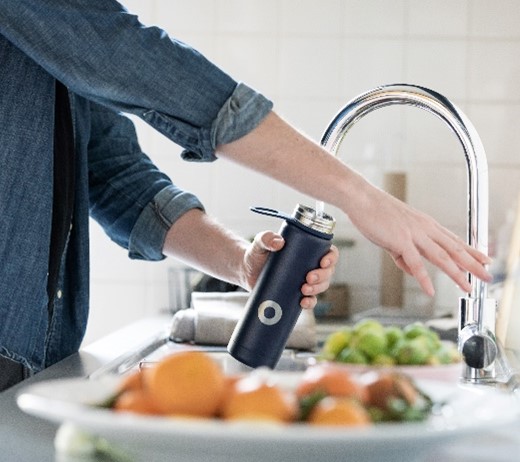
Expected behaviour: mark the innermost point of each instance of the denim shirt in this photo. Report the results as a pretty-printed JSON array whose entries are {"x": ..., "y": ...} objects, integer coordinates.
[{"x": 112, "y": 65}]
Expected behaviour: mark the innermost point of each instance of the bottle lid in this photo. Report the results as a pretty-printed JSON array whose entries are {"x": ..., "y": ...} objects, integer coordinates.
[{"x": 307, "y": 216}]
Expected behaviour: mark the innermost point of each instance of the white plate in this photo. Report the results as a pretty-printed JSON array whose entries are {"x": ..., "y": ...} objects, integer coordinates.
[{"x": 470, "y": 409}]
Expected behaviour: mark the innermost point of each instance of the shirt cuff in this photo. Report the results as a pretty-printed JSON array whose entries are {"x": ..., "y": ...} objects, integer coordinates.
[
  {"x": 240, "y": 114},
  {"x": 149, "y": 232}
]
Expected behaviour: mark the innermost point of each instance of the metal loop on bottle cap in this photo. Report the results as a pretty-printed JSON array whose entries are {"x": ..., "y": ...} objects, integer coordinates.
[{"x": 307, "y": 216}]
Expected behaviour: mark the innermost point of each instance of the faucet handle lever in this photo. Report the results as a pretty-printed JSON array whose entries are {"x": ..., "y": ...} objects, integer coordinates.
[{"x": 478, "y": 348}]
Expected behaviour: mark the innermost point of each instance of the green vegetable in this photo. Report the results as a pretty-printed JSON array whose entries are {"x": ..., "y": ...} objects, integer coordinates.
[
  {"x": 369, "y": 342},
  {"x": 336, "y": 342},
  {"x": 416, "y": 329},
  {"x": 75, "y": 443},
  {"x": 353, "y": 356},
  {"x": 307, "y": 403},
  {"x": 368, "y": 325},
  {"x": 413, "y": 352},
  {"x": 393, "y": 335}
]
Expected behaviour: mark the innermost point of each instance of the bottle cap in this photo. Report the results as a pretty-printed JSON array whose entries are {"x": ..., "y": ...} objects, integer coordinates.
[{"x": 307, "y": 216}]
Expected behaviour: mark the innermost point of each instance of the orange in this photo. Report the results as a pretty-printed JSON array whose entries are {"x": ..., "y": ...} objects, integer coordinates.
[
  {"x": 132, "y": 381},
  {"x": 187, "y": 382},
  {"x": 388, "y": 386},
  {"x": 230, "y": 382},
  {"x": 137, "y": 401},
  {"x": 339, "y": 412},
  {"x": 252, "y": 398},
  {"x": 331, "y": 380}
]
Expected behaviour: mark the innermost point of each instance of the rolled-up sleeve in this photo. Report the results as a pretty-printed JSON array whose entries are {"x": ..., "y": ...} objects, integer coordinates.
[
  {"x": 103, "y": 53},
  {"x": 240, "y": 114},
  {"x": 149, "y": 232},
  {"x": 134, "y": 202}
]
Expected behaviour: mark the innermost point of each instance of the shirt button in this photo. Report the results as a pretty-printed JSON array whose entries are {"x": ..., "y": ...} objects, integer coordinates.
[{"x": 59, "y": 294}]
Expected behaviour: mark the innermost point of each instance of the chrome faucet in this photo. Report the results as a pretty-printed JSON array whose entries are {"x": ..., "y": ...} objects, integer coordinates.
[{"x": 477, "y": 313}]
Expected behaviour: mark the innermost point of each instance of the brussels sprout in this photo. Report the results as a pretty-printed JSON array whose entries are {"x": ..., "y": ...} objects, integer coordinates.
[
  {"x": 413, "y": 351},
  {"x": 370, "y": 342},
  {"x": 335, "y": 342},
  {"x": 393, "y": 335},
  {"x": 352, "y": 356},
  {"x": 416, "y": 329},
  {"x": 370, "y": 325}
]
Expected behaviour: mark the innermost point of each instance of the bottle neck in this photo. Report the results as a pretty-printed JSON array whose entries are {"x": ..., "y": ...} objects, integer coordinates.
[{"x": 308, "y": 217}]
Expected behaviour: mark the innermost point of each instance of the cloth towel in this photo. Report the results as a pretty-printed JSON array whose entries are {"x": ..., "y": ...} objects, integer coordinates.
[{"x": 213, "y": 316}]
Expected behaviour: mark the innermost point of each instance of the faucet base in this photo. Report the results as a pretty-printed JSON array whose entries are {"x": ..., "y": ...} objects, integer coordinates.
[
  {"x": 500, "y": 371},
  {"x": 477, "y": 342},
  {"x": 480, "y": 376}
]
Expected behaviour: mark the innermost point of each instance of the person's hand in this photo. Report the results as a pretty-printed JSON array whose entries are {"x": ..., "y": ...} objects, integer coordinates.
[
  {"x": 409, "y": 235},
  {"x": 317, "y": 280}
]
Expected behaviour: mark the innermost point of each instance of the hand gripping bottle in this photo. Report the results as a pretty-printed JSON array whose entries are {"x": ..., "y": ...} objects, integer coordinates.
[{"x": 273, "y": 307}]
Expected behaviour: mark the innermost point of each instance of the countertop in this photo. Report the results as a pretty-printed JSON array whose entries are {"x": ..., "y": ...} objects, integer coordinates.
[{"x": 26, "y": 438}]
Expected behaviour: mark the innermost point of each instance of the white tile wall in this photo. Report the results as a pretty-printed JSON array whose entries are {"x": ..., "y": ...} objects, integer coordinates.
[
  {"x": 374, "y": 18},
  {"x": 438, "y": 19},
  {"x": 494, "y": 18},
  {"x": 311, "y": 57}
]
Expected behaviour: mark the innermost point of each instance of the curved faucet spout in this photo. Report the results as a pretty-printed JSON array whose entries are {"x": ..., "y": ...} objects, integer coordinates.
[{"x": 476, "y": 311}]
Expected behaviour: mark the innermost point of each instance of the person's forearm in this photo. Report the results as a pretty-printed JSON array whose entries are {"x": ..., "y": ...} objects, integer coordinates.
[
  {"x": 278, "y": 150},
  {"x": 199, "y": 241}
]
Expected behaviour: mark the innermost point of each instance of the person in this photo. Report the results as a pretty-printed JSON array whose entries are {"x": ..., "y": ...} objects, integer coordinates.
[
  {"x": 68, "y": 152},
  {"x": 70, "y": 71}
]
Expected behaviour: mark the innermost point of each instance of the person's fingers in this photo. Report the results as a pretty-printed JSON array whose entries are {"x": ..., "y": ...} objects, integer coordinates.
[
  {"x": 400, "y": 263},
  {"x": 465, "y": 258},
  {"x": 319, "y": 275},
  {"x": 256, "y": 255},
  {"x": 314, "y": 289},
  {"x": 452, "y": 257},
  {"x": 268, "y": 241},
  {"x": 308, "y": 303},
  {"x": 479, "y": 256},
  {"x": 318, "y": 280},
  {"x": 412, "y": 260},
  {"x": 330, "y": 258}
]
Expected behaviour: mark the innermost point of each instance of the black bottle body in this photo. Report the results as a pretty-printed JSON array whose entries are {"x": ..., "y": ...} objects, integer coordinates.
[{"x": 273, "y": 307}]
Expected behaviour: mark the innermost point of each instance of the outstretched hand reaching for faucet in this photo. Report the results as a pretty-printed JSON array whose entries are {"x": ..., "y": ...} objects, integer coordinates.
[
  {"x": 281, "y": 152},
  {"x": 409, "y": 235}
]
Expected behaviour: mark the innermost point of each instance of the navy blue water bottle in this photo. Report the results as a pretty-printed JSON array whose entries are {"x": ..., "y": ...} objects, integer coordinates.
[{"x": 273, "y": 307}]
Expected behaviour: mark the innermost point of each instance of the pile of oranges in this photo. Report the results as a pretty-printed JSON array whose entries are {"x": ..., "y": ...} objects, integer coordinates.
[{"x": 191, "y": 384}]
